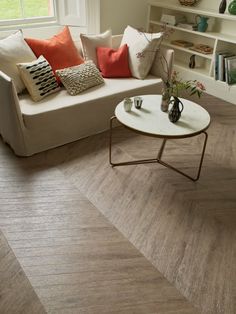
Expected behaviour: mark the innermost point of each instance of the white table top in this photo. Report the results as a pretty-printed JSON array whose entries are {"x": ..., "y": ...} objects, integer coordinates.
[{"x": 152, "y": 121}]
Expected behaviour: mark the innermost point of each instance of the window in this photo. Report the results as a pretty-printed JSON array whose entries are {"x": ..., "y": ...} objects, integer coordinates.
[
  {"x": 84, "y": 14},
  {"x": 19, "y": 12}
]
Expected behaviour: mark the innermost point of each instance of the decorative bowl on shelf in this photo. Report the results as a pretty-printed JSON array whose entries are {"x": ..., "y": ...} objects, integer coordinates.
[{"x": 188, "y": 2}]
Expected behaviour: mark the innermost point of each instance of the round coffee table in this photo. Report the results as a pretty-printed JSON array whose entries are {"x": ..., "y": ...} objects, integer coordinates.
[{"x": 151, "y": 121}]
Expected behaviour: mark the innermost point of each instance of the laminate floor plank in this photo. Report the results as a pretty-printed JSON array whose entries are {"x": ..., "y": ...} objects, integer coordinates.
[
  {"x": 187, "y": 230},
  {"x": 16, "y": 293},
  {"x": 76, "y": 261}
]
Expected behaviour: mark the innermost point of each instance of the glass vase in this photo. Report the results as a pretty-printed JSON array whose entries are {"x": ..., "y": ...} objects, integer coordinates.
[{"x": 165, "y": 100}]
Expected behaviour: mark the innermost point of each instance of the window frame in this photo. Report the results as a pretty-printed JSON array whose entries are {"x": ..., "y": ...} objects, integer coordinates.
[
  {"x": 90, "y": 22},
  {"x": 32, "y": 21}
]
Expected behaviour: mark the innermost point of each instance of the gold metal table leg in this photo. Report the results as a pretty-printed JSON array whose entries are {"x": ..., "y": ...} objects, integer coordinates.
[{"x": 158, "y": 159}]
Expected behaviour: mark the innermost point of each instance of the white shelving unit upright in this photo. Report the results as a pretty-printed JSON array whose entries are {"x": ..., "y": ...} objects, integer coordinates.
[{"x": 220, "y": 35}]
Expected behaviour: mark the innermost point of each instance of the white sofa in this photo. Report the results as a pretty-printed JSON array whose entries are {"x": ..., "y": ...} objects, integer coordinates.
[{"x": 30, "y": 127}]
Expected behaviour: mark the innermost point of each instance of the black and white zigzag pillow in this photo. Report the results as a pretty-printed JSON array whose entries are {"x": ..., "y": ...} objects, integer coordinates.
[{"x": 39, "y": 78}]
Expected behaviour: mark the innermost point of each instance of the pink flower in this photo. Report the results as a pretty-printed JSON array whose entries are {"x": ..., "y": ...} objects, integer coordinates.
[
  {"x": 200, "y": 86},
  {"x": 174, "y": 76}
]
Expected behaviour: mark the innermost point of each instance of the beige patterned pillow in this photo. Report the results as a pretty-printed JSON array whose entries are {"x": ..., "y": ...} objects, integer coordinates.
[
  {"x": 39, "y": 78},
  {"x": 78, "y": 78},
  {"x": 143, "y": 45}
]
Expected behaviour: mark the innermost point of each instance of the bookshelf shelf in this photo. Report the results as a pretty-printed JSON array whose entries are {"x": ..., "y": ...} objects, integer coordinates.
[
  {"x": 169, "y": 45},
  {"x": 198, "y": 70},
  {"x": 193, "y": 9},
  {"x": 220, "y": 35},
  {"x": 213, "y": 35}
]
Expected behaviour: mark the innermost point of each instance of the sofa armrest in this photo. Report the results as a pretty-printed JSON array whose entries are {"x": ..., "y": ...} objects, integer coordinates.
[
  {"x": 163, "y": 64},
  {"x": 11, "y": 120}
]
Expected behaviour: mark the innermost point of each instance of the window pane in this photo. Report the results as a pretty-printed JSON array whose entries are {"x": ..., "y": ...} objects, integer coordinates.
[
  {"x": 37, "y": 8},
  {"x": 10, "y": 9}
]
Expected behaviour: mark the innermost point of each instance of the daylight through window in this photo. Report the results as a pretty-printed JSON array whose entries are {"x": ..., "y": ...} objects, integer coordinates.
[{"x": 26, "y": 11}]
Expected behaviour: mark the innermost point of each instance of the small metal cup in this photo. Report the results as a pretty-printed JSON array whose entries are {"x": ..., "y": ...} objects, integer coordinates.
[{"x": 138, "y": 102}]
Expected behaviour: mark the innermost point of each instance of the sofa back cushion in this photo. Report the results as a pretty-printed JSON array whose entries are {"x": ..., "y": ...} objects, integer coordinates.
[
  {"x": 115, "y": 43},
  {"x": 13, "y": 50},
  {"x": 142, "y": 50},
  {"x": 91, "y": 42},
  {"x": 114, "y": 62},
  {"x": 60, "y": 50}
]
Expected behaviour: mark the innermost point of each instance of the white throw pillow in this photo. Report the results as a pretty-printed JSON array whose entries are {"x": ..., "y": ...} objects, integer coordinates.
[
  {"x": 39, "y": 78},
  {"x": 78, "y": 78},
  {"x": 142, "y": 50},
  {"x": 91, "y": 42},
  {"x": 13, "y": 50}
]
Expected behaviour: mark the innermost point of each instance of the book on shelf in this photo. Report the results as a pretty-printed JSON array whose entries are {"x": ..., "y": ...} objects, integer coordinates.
[
  {"x": 218, "y": 65},
  {"x": 216, "y": 76},
  {"x": 231, "y": 70},
  {"x": 189, "y": 26},
  {"x": 225, "y": 67},
  {"x": 172, "y": 19},
  {"x": 221, "y": 65}
]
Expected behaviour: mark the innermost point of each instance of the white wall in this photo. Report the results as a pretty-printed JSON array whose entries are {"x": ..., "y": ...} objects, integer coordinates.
[{"x": 117, "y": 14}]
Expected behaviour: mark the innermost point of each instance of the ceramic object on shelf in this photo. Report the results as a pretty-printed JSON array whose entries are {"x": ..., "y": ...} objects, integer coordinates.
[
  {"x": 202, "y": 23},
  {"x": 188, "y": 2},
  {"x": 192, "y": 62},
  {"x": 222, "y": 6},
  {"x": 232, "y": 7}
]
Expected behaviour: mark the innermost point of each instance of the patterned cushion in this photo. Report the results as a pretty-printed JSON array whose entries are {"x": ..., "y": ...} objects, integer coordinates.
[
  {"x": 38, "y": 78},
  {"x": 142, "y": 50},
  {"x": 81, "y": 77}
]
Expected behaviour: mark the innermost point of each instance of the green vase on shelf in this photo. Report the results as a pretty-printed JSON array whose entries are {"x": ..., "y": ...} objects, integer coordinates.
[{"x": 232, "y": 7}]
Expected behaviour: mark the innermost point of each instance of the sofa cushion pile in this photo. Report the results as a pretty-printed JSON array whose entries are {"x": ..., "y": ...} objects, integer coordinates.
[{"x": 41, "y": 66}]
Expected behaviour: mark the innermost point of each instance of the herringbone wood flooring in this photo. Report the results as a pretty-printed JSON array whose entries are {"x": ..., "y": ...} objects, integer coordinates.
[
  {"x": 187, "y": 230},
  {"x": 16, "y": 293},
  {"x": 76, "y": 261}
]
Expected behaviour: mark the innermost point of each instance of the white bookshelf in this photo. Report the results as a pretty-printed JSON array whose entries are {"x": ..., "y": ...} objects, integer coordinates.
[{"x": 220, "y": 35}]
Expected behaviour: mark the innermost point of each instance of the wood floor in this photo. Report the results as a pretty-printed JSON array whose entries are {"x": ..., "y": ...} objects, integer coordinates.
[
  {"x": 76, "y": 261},
  {"x": 186, "y": 230},
  {"x": 16, "y": 292}
]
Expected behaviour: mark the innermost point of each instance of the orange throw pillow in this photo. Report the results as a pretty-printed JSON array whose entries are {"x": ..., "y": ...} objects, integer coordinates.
[
  {"x": 114, "y": 63},
  {"x": 59, "y": 51}
]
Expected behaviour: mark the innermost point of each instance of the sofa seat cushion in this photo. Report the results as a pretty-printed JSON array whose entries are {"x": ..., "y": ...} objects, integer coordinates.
[{"x": 36, "y": 115}]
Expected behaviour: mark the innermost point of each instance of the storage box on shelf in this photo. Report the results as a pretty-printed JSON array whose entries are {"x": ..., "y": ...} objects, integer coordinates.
[{"x": 220, "y": 35}]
